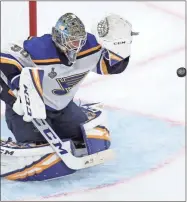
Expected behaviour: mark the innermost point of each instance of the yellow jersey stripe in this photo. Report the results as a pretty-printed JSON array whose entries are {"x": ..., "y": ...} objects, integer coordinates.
[
  {"x": 104, "y": 67},
  {"x": 47, "y": 60},
  {"x": 89, "y": 50},
  {"x": 36, "y": 77},
  {"x": 10, "y": 61}
]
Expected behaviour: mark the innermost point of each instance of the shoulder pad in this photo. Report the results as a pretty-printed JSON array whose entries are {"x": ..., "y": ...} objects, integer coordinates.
[
  {"x": 90, "y": 43},
  {"x": 15, "y": 54},
  {"x": 90, "y": 47},
  {"x": 41, "y": 48}
]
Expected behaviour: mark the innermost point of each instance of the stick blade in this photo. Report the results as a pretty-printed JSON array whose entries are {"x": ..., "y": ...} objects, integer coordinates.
[{"x": 99, "y": 158}]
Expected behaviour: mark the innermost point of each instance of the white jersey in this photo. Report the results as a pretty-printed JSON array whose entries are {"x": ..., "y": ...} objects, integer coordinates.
[{"x": 61, "y": 80}]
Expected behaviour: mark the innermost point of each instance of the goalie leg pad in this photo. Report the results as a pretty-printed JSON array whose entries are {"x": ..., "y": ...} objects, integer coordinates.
[
  {"x": 97, "y": 139},
  {"x": 95, "y": 132},
  {"x": 31, "y": 163}
]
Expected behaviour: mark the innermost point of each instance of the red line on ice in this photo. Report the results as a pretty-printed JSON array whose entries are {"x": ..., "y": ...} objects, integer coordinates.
[
  {"x": 161, "y": 165},
  {"x": 123, "y": 181},
  {"x": 138, "y": 64},
  {"x": 163, "y": 9}
]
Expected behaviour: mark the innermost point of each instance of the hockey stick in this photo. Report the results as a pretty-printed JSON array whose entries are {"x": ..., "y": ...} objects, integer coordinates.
[{"x": 56, "y": 143}]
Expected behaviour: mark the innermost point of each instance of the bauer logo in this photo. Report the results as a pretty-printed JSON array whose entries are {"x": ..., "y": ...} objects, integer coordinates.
[{"x": 27, "y": 100}]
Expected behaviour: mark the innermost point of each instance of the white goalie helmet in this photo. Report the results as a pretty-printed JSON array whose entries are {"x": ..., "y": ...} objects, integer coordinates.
[{"x": 115, "y": 33}]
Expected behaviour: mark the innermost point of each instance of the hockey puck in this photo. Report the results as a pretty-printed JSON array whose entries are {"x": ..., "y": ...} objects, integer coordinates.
[{"x": 181, "y": 72}]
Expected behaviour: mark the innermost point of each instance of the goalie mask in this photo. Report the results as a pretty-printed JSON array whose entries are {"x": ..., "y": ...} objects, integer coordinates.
[{"x": 69, "y": 35}]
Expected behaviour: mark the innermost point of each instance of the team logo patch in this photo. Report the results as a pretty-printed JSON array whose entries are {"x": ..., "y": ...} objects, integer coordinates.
[{"x": 67, "y": 83}]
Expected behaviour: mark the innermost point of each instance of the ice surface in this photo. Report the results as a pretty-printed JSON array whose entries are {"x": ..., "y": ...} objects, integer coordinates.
[
  {"x": 138, "y": 147},
  {"x": 145, "y": 106}
]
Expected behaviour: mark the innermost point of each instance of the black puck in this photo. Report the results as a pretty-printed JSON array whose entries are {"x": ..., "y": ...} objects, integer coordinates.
[{"x": 181, "y": 72}]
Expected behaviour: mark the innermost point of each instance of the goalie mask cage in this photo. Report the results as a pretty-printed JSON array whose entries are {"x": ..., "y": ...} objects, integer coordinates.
[{"x": 32, "y": 18}]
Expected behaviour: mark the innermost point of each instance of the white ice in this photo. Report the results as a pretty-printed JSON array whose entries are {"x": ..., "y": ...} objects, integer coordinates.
[{"x": 148, "y": 86}]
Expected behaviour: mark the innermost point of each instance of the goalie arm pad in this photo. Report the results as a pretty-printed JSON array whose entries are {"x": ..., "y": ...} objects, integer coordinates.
[{"x": 111, "y": 63}]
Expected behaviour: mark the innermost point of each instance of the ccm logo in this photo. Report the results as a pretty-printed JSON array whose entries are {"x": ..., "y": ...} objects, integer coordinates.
[
  {"x": 51, "y": 136},
  {"x": 27, "y": 100},
  {"x": 7, "y": 152},
  {"x": 119, "y": 42}
]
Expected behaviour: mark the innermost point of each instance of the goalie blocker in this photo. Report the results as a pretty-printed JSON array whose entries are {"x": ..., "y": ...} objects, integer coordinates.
[{"x": 30, "y": 162}]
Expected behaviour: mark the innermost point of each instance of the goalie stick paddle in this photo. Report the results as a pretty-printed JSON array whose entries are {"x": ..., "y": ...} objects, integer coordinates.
[{"x": 56, "y": 143}]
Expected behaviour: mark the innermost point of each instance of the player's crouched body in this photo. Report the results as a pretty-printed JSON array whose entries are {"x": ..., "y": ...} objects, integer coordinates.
[
  {"x": 66, "y": 56},
  {"x": 65, "y": 122}
]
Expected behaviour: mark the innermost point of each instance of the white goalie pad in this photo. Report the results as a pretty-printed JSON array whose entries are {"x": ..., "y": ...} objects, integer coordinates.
[
  {"x": 40, "y": 163},
  {"x": 95, "y": 120},
  {"x": 31, "y": 93},
  {"x": 95, "y": 131},
  {"x": 29, "y": 161},
  {"x": 14, "y": 157}
]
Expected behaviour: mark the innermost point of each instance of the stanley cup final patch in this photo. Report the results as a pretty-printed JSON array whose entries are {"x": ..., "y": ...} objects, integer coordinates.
[{"x": 52, "y": 74}]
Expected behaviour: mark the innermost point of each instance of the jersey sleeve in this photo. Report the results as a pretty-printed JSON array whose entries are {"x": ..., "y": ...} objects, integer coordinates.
[
  {"x": 6, "y": 94},
  {"x": 110, "y": 63},
  {"x": 11, "y": 64},
  {"x": 11, "y": 67}
]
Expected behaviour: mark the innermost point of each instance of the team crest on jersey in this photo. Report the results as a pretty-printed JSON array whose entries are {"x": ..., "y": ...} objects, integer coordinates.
[
  {"x": 67, "y": 83},
  {"x": 52, "y": 74}
]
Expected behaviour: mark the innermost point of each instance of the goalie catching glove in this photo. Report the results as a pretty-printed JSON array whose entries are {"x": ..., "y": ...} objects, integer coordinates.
[
  {"x": 29, "y": 103},
  {"x": 115, "y": 34}
]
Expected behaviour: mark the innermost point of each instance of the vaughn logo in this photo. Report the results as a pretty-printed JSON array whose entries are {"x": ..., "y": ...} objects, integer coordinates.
[{"x": 119, "y": 42}]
